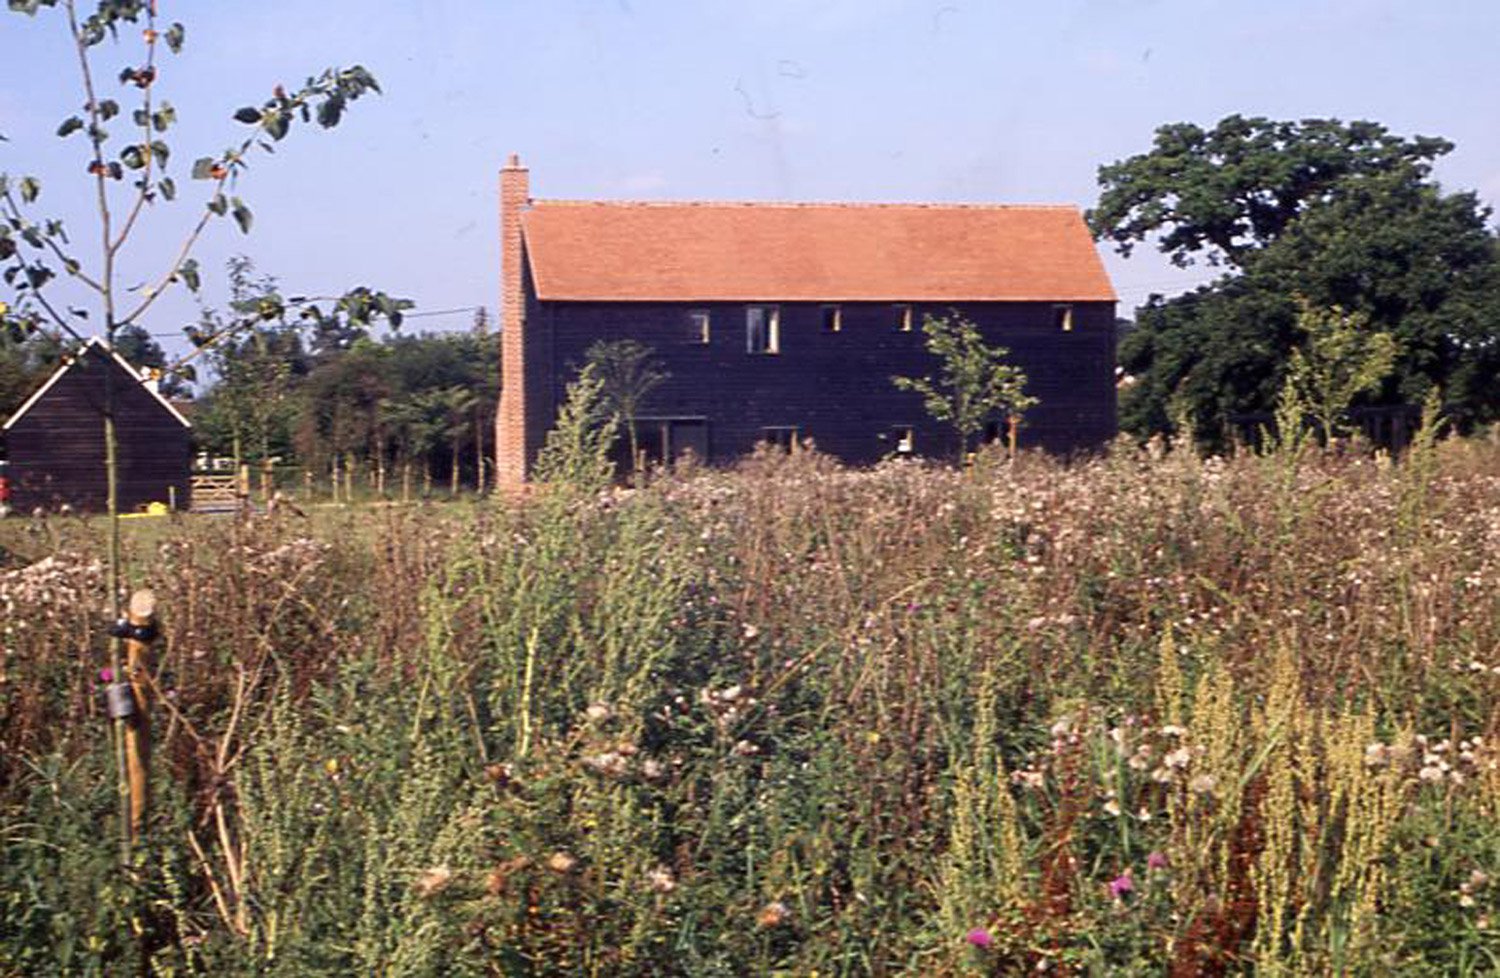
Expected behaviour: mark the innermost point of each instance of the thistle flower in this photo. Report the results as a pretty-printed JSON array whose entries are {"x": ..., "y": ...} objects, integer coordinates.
[
  {"x": 1156, "y": 860},
  {"x": 1122, "y": 886},
  {"x": 561, "y": 862},
  {"x": 980, "y": 938}
]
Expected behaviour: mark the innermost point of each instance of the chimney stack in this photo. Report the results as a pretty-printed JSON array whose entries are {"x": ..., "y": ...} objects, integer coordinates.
[{"x": 512, "y": 453}]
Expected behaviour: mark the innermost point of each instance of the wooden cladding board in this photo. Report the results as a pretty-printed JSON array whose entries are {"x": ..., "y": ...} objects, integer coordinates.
[
  {"x": 56, "y": 449},
  {"x": 833, "y": 386}
]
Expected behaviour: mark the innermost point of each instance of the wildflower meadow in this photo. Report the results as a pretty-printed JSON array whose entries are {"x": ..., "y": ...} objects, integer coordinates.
[{"x": 1140, "y": 714}]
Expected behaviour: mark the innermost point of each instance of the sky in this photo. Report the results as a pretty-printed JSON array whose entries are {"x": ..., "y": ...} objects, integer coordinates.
[{"x": 997, "y": 101}]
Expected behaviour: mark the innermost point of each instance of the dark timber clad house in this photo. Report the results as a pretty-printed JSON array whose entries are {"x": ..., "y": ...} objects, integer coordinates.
[
  {"x": 55, "y": 440},
  {"x": 783, "y": 321}
]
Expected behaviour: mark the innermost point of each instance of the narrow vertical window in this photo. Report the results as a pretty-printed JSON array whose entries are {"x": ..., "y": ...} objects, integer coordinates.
[
  {"x": 762, "y": 329},
  {"x": 1062, "y": 317},
  {"x": 699, "y": 326},
  {"x": 902, "y": 318},
  {"x": 905, "y": 439},
  {"x": 833, "y": 319}
]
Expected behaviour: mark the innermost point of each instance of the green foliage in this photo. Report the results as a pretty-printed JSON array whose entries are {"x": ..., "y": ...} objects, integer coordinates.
[
  {"x": 576, "y": 454},
  {"x": 628, "y": 373},
  {"x": 974, "y": 384},
  {"x": 1232, "y": 189},
  {"x": 1341, "y": 215},
  {"x": 1340, "y": 359}
]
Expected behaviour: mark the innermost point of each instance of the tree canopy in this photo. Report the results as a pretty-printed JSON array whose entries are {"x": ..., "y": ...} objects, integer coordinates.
[{"x": 1331, "y": 214}]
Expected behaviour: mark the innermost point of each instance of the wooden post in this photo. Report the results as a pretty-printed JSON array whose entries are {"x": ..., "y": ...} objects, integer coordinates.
[
  {"x": 1013, "y": 426},
  {"x": 141, "y": 619},
  {"x": 267, "y": 480}
]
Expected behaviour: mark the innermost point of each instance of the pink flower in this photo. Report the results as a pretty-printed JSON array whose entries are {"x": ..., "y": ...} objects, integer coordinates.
[
  {"x": 1121, "y": 886},
  {"x": 1156, "y": 860},
  {"x": 106, "y": 675},
  {"x": 979, "y": 937}
]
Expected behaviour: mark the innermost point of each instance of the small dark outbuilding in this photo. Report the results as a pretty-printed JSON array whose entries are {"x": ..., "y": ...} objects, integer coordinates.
[{"x": 55, "y": 440}]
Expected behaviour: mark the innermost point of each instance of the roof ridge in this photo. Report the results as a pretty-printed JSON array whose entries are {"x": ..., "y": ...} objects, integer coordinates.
[{"x": 809, "y": 204}]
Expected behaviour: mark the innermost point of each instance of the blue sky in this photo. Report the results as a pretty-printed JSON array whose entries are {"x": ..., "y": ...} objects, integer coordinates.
[{"x": 927, "y": 100}]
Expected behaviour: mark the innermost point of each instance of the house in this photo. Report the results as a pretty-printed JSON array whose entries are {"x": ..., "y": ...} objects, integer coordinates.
[
  {"x": 55, "y": 440},
  {"x": 785, "y": 322}
]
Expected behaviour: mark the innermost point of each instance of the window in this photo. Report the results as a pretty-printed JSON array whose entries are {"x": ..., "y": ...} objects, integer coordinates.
[
  {"x": 905, "y": 439},
  {"x": 698, "y": 326},
  {"x": 903, "y": 318},
  {"x": 833, "y": 319},
  {"x": 784, "y": 437},
  {"x": 762, "y": 329},
  {"x": 1062, "y": 317}
]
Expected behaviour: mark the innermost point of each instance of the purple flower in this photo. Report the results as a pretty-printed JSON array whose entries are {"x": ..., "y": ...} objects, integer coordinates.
[
  {"x": 106, "y": 675},
  {"x": 979, "y": 937},
  {"x": 1156, "y": 860},
  {"x": 1121, "y": 886}
]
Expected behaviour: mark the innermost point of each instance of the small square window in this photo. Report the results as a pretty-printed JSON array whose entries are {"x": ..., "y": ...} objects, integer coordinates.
[
  {"x": 903, "y": 318},
  {"x": 904, "y": 437},
  {"x": 833, "y": 319},
  {"x": 762, "y": 329},
  {"x": 784, "y": 437},
  {"x": 1062, "y": 317},
  {"x": 699, "y": 326}
]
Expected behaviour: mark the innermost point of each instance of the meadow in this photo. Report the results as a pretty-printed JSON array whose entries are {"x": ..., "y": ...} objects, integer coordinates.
[{"x": 1143, "y": 714}]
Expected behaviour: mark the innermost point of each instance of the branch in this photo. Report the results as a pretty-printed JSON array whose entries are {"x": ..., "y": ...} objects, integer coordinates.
[
  {"x": 70, "y": 264},
  {"x": 152, "y": 293},
  {"x": 144, "y": 191},
  {"x": 96, "y": 139}
]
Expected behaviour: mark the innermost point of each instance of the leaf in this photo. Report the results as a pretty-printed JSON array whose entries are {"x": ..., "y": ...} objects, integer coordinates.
[
  {"x": 30, "y": 187},
  {"x": 70, "y": 125},
  {"x": 168, "y": 188},
  {"x": 218, "y": 205},
  {"x": 140, "y": 117},
  {"x": 203, "y": 168},
  {"x": 132, "y": 157},
  {"x": 108, "y": 109},
  {"x": 174, "y": 37},
  {"x": 277, "y": 124},
  {"x": 248, "y": 115},
  {"x": 242, "y": 216},
  {"x": 161, "y": 151},
  {"x": 330, "y": 111},
  {"x": 189, "y": 273},
  {"x": 70, "y": 265},
  {"x": 187, "y": 372}
]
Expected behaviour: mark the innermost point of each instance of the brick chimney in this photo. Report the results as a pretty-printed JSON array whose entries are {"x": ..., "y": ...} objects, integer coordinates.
[{"x": 511, "y": 450}]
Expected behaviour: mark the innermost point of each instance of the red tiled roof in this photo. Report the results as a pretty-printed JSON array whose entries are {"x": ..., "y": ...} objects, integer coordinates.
[{"x": 829, "y": 252}]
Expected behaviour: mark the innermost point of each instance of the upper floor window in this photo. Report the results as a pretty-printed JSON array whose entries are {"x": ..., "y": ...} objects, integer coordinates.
[
  {"x": 699, "y": 326},
  {"x": 833, "y": 319},
  {"x": 903, "y": 318},
  {"x": 762, "y": 329},
  {"x": 1062, "y": 317}
]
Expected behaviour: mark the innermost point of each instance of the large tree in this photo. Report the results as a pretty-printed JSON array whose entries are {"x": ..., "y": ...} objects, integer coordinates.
[{"x": 1333, "y": 214}]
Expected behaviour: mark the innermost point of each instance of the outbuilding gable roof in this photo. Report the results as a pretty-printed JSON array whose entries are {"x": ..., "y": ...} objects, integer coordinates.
[
  {"x": 95, "y": 345},
  {"x": 667, "y": 252}
]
